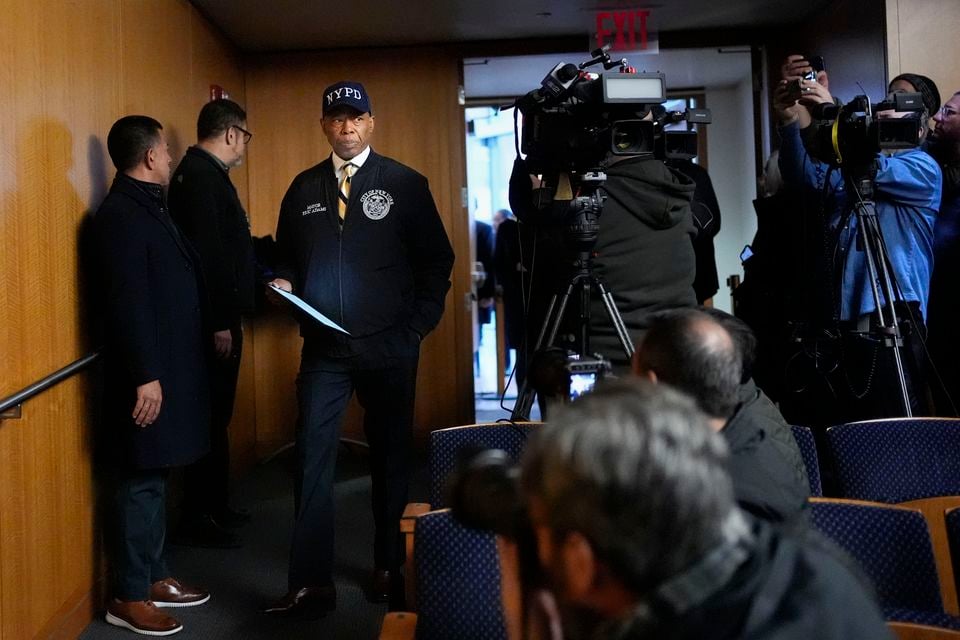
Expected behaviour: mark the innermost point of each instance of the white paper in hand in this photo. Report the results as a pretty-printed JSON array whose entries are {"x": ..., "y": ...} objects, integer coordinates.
[{"x": 310, "y": 311}]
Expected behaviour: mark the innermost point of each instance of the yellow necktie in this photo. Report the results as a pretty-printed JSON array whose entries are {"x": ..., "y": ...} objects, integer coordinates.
[{"x": 347, "y": 173}]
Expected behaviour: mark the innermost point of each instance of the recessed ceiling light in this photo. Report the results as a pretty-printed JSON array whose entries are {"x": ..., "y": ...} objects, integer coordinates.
[{"x": 544, "y": 14}]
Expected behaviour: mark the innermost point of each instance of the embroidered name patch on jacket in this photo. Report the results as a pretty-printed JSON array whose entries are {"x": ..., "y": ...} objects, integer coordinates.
[{"x": 316, "y": 207}]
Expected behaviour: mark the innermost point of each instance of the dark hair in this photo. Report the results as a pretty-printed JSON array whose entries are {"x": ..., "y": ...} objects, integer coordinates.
[
  {"x": 636, "y": 469},
  {"x": 690, "y": 350},
  {"x": 743, "y": 337},
  {"x": 217, "y": 116},
  {"x": 129, "y": 140},
  {"x": 927, "y": 89}
]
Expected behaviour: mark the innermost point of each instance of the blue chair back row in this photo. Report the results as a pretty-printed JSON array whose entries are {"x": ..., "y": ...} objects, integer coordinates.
[
  {"x": 447, "y": 444},
  {"x": 894, "y": 461},
  {"x": 892, "y": 545}
]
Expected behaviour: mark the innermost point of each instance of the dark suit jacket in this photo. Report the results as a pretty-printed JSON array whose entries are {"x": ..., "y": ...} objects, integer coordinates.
[
  {"x": 154, "y": 328},
  {"x": 204, "y": 204}
]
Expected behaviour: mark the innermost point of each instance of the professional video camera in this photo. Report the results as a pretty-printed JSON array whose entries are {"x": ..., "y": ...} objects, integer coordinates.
[
  {"x": 577, "y": 119},
  {"x": 483, "y": 492},
  {"x": 851, "y": 135}
]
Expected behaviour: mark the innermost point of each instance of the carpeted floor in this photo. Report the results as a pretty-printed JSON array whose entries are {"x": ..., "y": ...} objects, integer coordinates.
[{"x": 240, "y": 580}]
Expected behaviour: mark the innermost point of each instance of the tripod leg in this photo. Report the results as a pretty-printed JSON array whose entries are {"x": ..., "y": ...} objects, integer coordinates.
[
  {"x": 615, "y": 319},
  {"x": 551, "y": 324}
]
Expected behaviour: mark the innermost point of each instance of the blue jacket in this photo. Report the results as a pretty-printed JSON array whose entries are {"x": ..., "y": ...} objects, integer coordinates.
[{"x": 907, "y": 196}]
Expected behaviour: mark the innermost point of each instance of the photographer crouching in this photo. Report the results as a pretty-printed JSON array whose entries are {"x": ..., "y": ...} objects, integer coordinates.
[
  {"x": 878, "y": 195},
  {"x": 637, "y": 534}
]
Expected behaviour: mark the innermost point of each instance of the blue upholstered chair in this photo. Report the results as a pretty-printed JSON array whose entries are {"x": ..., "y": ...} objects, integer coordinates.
[
  {"x": 897, "y": 460},
  {"x": 808, "y": 451},
  {"x": 445, "y": 445},
  {"x": 952, "y": 518},
  {"x": 892, "y": 546},
  {"x": 458, "y": 581}
]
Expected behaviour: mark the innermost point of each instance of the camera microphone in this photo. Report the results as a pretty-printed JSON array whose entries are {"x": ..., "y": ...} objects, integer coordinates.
[{"x": 559, "y": 80}]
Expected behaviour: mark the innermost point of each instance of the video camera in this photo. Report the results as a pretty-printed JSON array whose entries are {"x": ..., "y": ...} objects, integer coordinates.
[
  {"x": 851, "y": 135},
  {"x": 576, "y": 118}
]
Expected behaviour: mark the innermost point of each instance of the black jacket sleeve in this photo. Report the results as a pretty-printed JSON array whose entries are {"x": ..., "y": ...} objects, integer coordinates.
[
  {"x": 431, "y": 258},
  {"x": 285, "y": 267}
]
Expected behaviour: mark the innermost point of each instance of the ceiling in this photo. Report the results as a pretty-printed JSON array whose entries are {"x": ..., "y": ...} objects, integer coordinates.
[
  {"x": 505, "y": 76},
  {"x": 289, "y": 25}
]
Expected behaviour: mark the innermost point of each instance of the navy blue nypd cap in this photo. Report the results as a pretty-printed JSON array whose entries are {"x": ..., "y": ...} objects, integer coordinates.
[{"x": 346, "y": 94}]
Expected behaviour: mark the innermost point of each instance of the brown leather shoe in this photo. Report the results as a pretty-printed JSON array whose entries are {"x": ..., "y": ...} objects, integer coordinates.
[
  {"x": 170, "y": 593},
  {"x": 380, "y": 585},
  {"x": 141, "y": 616},
  {"x": 307, "y": 602}
]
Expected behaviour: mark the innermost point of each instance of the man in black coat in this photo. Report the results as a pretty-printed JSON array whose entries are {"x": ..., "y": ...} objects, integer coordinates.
[
  {"x": 693, "y": 352},
  {"x": 360, "y": 240},
  {"x": 156, "y": 396},
  {"x": 205, "y": 205}
]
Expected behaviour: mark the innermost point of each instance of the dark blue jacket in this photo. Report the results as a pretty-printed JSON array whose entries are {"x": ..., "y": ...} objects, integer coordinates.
[{"x": 388, "y": 268}]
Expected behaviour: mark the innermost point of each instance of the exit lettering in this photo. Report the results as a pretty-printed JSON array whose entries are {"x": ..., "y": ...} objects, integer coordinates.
[{"x": 626, "y": 29}]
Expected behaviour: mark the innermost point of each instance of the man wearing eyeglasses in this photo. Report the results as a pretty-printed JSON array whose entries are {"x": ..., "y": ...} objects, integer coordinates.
[
  {"x": 205, "y": 205},
  {"x": 360, "y": 239},
  {"x": 944, "y": 146}
]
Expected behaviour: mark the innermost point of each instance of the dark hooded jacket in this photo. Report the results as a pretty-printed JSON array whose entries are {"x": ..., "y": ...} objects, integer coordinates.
[
  {"x": 644, "y": 251},
  {"x": 788, "y": 589}
]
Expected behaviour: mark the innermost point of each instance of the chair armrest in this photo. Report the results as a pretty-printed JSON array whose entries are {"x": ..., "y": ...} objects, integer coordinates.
[
  {"x": 399, "y": 625},
  {"x": 910, "y": 631},
  {"x": 407, "y": 523},
  {"x": 410, "y": 514}
]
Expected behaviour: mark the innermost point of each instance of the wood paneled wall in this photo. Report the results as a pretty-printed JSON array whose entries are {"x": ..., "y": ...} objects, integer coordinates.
[
  {"x": 922, "y": 38},
  {"x": 68, "y": 69},
  {"x": 420, "y": 123}
]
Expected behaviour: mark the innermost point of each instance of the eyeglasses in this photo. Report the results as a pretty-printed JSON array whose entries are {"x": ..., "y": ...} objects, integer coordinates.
[
  {"x": 246, "y": 134},
  {"x": 946, "y": 112}
]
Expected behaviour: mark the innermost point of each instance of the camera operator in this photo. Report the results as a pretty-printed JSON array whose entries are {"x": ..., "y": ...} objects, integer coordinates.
[
  {"x": 907, "y": 187},
  {"x": 643, "y": 252},
  {"x": 638, "y": 534}
]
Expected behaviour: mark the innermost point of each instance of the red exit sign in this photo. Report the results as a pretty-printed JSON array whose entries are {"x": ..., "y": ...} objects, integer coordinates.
[{"x": 626, "y": 30}]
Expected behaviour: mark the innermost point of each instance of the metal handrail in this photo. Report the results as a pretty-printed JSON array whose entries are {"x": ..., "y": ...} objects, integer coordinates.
[{"x": 42, "y": 385}]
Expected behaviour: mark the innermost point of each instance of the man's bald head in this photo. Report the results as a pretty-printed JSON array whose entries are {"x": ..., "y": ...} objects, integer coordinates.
[{"x": 691, "y": 351}]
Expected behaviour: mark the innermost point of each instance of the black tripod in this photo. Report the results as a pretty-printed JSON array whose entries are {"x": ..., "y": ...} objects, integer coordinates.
[
  {"x": 584, "y": 280},
  {"x": 882, "y": 284}
]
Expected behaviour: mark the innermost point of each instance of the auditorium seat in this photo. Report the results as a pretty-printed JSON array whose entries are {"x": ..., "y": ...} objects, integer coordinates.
[
  {"x": 808, "y": 451},
  {"x": 892, "y": 546}
]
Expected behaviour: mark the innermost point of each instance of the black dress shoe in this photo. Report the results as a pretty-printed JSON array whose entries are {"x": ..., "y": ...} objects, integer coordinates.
[
  {"x": 310, "y": 603},
  {"x": 204, "y": 532},
  {"x": 231, "y": 518}
]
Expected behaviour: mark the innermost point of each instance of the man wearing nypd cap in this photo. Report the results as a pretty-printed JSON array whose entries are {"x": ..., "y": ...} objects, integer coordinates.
[{"x": 359, "y": 239}]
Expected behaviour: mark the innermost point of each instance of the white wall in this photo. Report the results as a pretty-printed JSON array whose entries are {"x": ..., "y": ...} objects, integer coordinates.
[{"x": 731, "y": 165}]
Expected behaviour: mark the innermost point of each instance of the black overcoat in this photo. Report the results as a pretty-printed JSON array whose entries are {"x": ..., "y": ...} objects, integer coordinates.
[{"x": 151, "y": 304}]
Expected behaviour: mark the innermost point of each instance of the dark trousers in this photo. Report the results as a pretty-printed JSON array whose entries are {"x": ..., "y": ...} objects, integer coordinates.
[
  {"x": 138, "y": 531},
  {"x": 386, "y": 394},
  {"x": 206, "y": 483}
]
